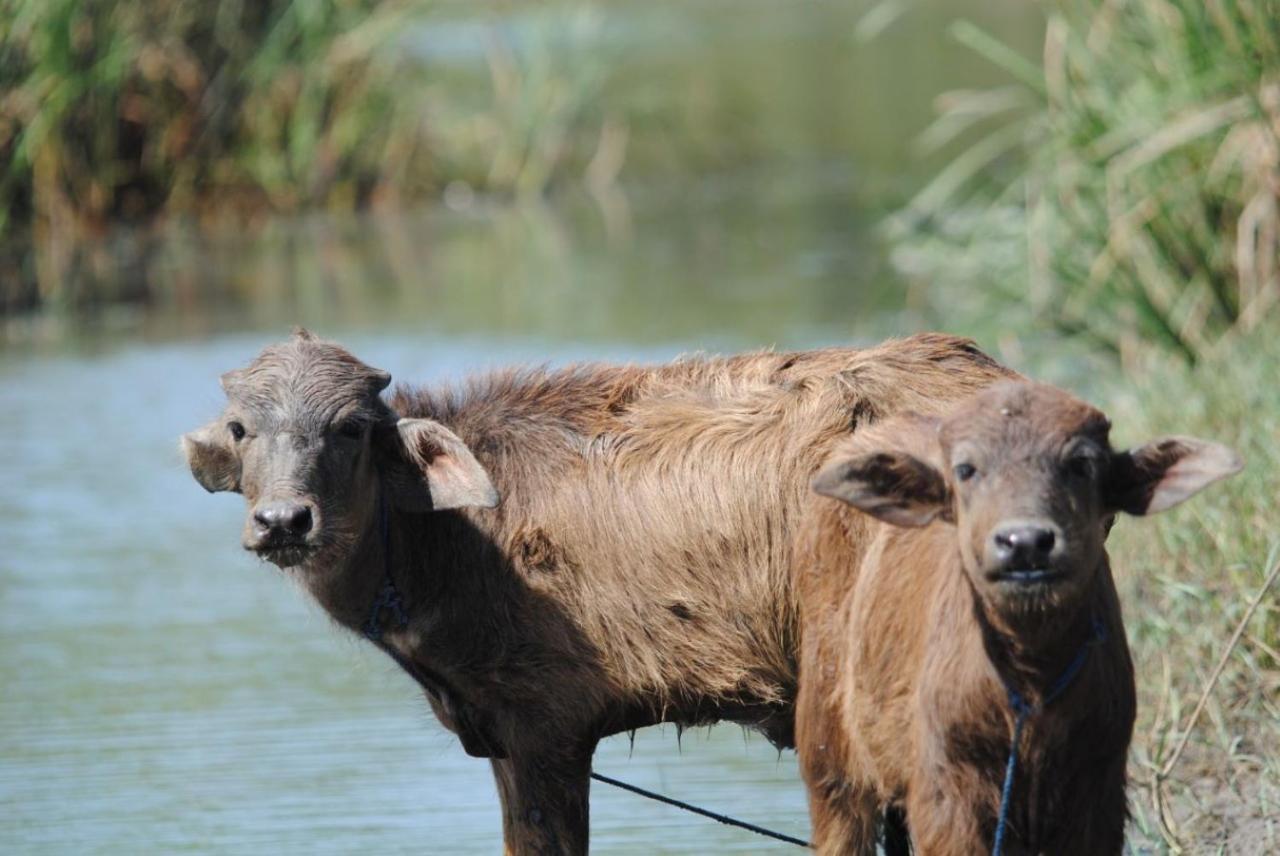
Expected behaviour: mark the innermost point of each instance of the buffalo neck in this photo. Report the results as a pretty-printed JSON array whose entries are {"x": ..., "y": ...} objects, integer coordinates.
[
  {"x": 434, "y": 561},
  {"x": 348, "y": 586},
  {"x": 1031, "y": 654}
]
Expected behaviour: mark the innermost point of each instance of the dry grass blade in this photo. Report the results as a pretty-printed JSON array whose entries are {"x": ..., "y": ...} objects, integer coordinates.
[
  {"x": 1167, "y": 825},
  {"x": 1217, "y": 671}
]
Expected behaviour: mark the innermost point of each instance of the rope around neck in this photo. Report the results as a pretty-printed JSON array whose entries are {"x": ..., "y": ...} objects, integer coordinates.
[
  {"x": 1024, "y": 709},
  {"x": 1006, "y": 792}
]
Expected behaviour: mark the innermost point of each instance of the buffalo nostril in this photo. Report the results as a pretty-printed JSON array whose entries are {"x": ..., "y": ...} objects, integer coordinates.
[
  {"x": 284, "y": 517},
  {"x": 1005, "y": 542},
  {"x": 1024, "y": 543},
  {"x": 299, "y": 521}
]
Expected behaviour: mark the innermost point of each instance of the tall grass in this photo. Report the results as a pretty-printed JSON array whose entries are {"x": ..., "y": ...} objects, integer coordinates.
[{"x": 1127, "y": 187}]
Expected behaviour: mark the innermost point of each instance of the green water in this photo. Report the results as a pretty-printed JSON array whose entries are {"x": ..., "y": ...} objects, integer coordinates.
[{"x": 164, "y": 692}]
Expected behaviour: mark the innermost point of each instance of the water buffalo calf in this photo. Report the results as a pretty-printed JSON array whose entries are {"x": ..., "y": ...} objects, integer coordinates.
[
  {"x": 960, "y": 585},
  {"x": 556, "y": 556}
]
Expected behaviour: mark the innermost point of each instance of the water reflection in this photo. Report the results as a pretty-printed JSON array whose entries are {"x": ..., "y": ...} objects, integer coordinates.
[{"x": 763, "y": 258}]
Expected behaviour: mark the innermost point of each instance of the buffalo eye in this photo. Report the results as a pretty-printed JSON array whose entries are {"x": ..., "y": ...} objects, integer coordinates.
[
  {"x": 236, "y": 429},
  {"x": 964, "y": 472},
  {"x": 1082, "y": 466},
  {"x": 353, "y": 430},
  {"x": 1083, "y": 460}
]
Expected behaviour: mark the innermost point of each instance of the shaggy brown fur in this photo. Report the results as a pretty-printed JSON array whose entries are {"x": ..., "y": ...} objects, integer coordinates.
[
  {"x": 911, "y": 635},
  {"x": 637, "y": 569}
]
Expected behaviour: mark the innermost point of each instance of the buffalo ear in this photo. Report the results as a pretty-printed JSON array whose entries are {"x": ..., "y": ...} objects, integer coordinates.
[
  {"x": 213, "y": 463},
  {"x": 1166, "y": 471},
  {"x": 426, "y": 467},
  {"x": 895, "y": 487}
]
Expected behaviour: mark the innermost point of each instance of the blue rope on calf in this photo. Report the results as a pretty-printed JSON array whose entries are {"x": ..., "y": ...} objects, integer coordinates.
[
  {"x": 1024, "y": 710},
  {"x": 1006, "y": 792}
]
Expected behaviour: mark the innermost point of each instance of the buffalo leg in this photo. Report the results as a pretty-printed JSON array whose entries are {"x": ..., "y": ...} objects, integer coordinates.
[
  {"x": 544, "y": 803},
  {"x": 843, "y": 814},
  {"x": 944, "y": 821}
]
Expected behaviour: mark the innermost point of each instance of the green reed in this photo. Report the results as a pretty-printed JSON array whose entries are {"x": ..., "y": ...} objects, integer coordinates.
[{"x": 1125, "y": 188}]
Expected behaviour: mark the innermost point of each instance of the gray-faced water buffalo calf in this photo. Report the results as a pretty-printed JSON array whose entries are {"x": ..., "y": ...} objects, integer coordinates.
[
  {"x": 556, "y": 556},
  {"x": 958, "y": 602}
]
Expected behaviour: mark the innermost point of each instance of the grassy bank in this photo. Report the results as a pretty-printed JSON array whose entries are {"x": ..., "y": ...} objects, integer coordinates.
[{"x": 117, "y": 114}]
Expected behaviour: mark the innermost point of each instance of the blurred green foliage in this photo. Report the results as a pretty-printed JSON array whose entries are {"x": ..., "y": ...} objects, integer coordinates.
[
  {"x": 1129, "y": 182},
  {"x": 175, "y": 113},
  {"x": 114, "y": 110}
]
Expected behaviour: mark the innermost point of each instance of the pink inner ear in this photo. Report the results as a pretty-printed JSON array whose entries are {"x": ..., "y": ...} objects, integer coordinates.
[
  {"x": 459, "y": 482},
  {"x": 446, "y": 473},
  {"x": 454, "y": 477},
  {"x": 1202, "y": 465}
]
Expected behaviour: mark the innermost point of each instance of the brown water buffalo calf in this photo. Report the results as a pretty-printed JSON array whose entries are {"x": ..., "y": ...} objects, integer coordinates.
[
  {"x": 962, "y": 580},
  {"x": 556, "y": 556}
]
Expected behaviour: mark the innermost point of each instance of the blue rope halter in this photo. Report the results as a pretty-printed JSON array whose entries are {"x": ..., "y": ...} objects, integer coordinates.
[
  {"x": 389, "y": 597},
  {"x": 1025, "y": 709}
]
